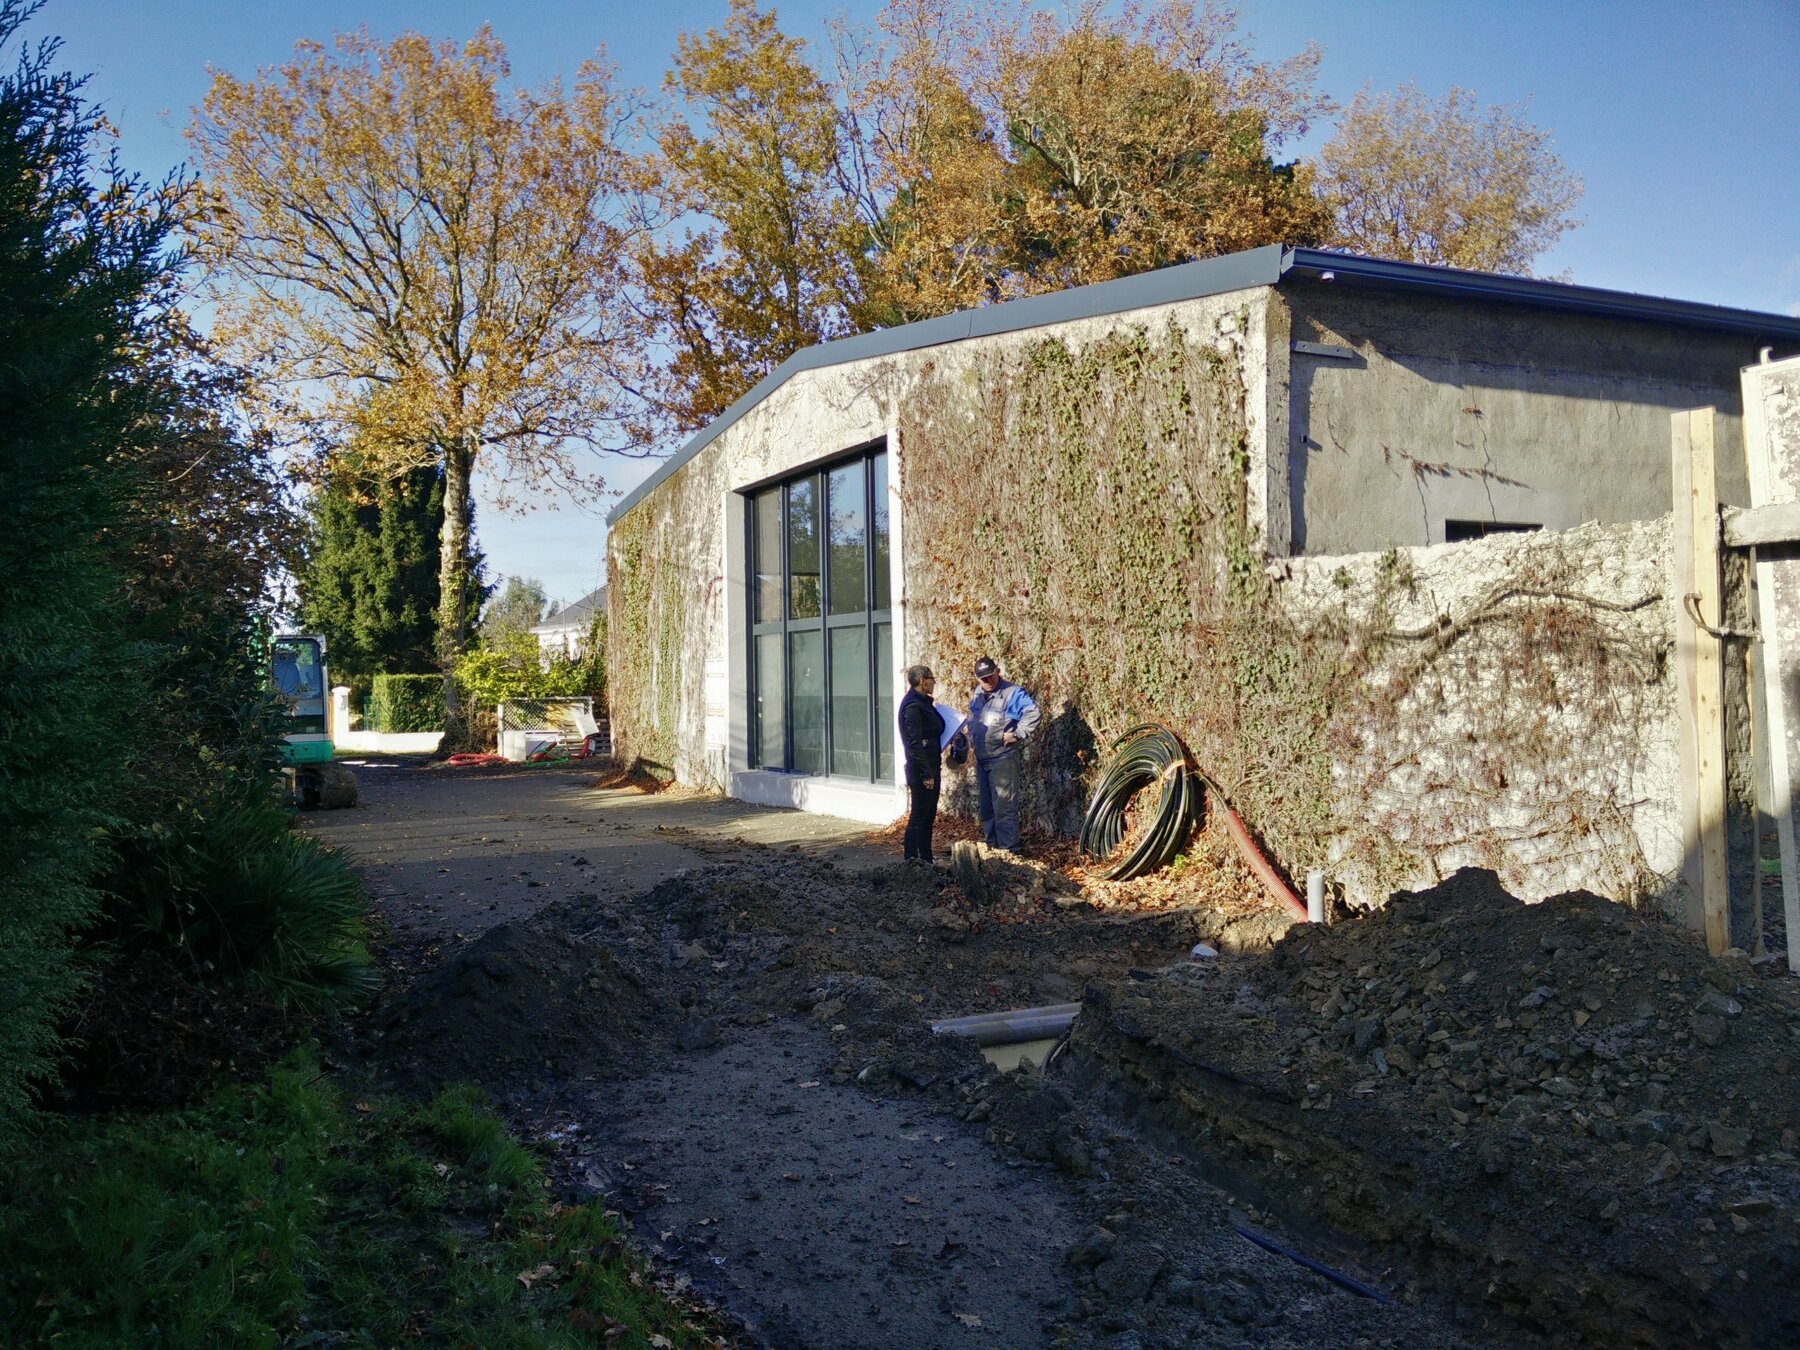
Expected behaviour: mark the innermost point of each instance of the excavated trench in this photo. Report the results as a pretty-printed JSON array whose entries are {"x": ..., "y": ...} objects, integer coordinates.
[
  {"x": 1523, "y": 1123},
  {"x": 1602, "y": 1176}
]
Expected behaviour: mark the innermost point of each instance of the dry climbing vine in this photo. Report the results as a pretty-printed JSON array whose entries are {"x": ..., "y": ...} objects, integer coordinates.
[
  {"x": 1081, "y": 513},
  {"x": 643, "y": 645}
]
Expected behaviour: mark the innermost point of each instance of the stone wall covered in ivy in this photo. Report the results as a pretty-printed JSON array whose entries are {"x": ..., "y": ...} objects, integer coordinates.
[
  {"x": 1503, "y": 703},
  {"x": 1082, "y": 512},
  {"x": 1085, "y": 503},
  {"x": 663, "y": 605}
]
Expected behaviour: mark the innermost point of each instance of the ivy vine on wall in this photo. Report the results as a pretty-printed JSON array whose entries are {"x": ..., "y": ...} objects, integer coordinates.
[
  {"x": 1080, "y": 513},
  {"x": 643, "y": 645}
]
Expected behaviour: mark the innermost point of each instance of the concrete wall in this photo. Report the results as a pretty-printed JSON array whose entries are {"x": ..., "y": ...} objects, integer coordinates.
[
  {"x": 696, "y": 525},
  {"x": 1445, "y": 410},
  {"x": 1539, "y": 739},
  {"x": 1509, "y": 752}
]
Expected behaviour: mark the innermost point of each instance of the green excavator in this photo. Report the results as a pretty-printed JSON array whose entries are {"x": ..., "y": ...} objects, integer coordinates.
[{"x": 297, "y": 670}]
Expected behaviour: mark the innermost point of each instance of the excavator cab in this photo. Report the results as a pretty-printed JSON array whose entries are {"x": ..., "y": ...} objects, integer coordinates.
[{"x": 297, "y": 671}]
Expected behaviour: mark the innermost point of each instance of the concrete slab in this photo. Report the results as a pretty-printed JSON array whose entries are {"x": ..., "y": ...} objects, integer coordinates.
[
  {"x": 1772, "y": 437},
  {"x": 451, "y": 852}
]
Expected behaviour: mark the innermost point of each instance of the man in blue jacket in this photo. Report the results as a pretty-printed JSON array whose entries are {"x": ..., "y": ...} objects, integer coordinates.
[{"x": 1002, "y": 717}]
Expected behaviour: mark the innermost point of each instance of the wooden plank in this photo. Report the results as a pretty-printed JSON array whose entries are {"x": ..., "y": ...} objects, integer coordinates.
[
  {"x": 1772, "y": 453},
  {"x": 1709, "y": 689},
  {"x": 1778, "y": 523},
  {"x": 1681, "y": 562}
]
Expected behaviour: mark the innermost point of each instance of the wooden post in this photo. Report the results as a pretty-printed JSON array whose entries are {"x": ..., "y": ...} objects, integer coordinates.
[
  {"x": 1681, "y": 583},
  {"x": 1694, "y": 645}
]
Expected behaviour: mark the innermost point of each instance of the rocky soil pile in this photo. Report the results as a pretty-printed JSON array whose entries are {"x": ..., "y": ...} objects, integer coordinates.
[{"x": 1568, "y": 1109}]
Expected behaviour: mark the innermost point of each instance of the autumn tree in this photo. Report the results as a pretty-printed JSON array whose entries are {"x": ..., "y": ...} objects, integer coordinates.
[
  {"x": 1018, "y": 152},
  {"x": 925, "y": 165},
  {"x": 427, "y": 267},
  {"x": 749, "y": 157},
  {"x": 1445, "y": 181}
]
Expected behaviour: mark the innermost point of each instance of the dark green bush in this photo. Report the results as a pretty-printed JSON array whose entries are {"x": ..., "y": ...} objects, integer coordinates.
[
  {"x": 240, "y": 894},
  {"x": 405, "y": 703},
  {"x": 286, "y": 1212},
  {"x": 79, "y": 262}
]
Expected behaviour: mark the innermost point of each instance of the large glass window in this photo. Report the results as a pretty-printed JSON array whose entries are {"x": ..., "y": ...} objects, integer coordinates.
[
  {"x": 803, "y": 549},
  {"x": 770, "y": 702},
  {"x": 878, "y": 531},
  {"x": 850, "y": 701},
  {"x": 847, "y": 501},
  {"x": 766, "y": 603},
  {"x": 884, "y": 700},
  {"x": 822, "y": 695},
  {"x": 806, "y": 699}
]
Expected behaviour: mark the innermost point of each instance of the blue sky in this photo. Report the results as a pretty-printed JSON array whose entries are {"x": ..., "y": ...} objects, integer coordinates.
[{"x": 1682, "y": 118}]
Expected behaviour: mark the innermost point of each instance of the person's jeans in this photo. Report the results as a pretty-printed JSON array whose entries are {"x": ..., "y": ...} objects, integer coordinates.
[
  {"x": 997, "y": 800},
  {"x": 922, "y": 815}
]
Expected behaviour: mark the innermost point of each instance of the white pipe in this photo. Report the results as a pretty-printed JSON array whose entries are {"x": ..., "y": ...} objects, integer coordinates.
[
  {"x": 1315, "y": 896},
  {"x": 1006, "y": 1028}
]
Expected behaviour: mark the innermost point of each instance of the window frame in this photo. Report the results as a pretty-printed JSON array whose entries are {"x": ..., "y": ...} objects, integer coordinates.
[{"x": 868, "y": 619}]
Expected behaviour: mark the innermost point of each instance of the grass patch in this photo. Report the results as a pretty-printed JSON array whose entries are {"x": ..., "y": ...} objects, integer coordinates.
[{"x": 285, "y": 1214}]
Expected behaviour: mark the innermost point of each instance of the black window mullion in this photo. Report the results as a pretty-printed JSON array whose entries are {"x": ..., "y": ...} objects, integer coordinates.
[
  {"x": 787, "y": 659},
  {"x": 822, "y": 492},
  {"x": 874, "y": 674}
]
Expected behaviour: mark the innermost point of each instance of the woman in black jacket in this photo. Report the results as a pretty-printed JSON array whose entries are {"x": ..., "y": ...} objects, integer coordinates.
[{"x": 921, "y": 731}]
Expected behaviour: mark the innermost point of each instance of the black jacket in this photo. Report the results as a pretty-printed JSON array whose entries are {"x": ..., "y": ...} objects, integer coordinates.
[{"x": 921, "y": 728}]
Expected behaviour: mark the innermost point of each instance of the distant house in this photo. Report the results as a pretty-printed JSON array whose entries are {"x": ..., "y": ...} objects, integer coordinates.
[{"x": 566, "y": 631}]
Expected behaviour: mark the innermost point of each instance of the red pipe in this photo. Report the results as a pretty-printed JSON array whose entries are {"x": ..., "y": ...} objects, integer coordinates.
[{"x": 1264, "y": 869}]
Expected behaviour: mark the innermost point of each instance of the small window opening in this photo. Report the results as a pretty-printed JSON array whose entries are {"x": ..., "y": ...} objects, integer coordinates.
[{"x": 1461, "y": 531}]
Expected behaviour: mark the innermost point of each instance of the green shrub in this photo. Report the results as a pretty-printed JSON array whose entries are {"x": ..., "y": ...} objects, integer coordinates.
[
  {"x": 285, "y": 1213},
  {"x": 79, "y": 263},
  {"x": 240, "y": 894},
  {"x": 405, "y": 703},
  {"x": 510, "y": 666},
  {"x": 513, "y": 666}
]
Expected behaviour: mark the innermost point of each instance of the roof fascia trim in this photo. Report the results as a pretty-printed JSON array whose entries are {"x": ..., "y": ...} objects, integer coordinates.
[
  {"x": 1165, "y": 286},
  {"x": 1557, "y": 295}
]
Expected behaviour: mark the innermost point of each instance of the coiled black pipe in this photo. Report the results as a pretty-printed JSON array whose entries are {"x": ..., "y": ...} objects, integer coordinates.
[{"x": 1148, "y": 753}]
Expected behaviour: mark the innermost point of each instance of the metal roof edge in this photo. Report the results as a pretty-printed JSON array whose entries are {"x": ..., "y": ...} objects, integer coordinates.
[
  {"x": 1536, "y": 292},
  {"x": 1165, "y": 286},
  {"x": 1265, "y": 266}
]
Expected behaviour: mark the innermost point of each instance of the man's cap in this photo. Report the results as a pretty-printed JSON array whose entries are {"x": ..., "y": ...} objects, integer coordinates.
[{"x": 985, "y": 667}]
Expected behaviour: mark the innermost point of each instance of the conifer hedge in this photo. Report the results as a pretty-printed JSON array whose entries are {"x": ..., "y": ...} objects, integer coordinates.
[{"x": 405, "y": 703}]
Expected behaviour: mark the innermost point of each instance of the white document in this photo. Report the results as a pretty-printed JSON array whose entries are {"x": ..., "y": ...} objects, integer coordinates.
[{"x": 953, "y": 721}]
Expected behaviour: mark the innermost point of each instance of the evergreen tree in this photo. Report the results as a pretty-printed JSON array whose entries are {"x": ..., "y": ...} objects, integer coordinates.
[
  {"x": 370, "y": 581},
  {"x": 82, "y": 264}
]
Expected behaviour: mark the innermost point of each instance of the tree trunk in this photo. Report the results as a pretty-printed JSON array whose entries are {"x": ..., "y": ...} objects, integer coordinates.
[{"x": 453, "y": 592}]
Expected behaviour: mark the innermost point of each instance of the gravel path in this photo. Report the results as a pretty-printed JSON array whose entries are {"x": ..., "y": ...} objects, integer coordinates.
[{"x": 827, "y": 1216}]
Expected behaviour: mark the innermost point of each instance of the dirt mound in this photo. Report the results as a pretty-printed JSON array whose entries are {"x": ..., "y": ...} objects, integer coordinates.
[
  {"x": 1492, "y": 1008},
  {"x": 524, "y": 1000},
  {"x": 1566, "y": 1106}
]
